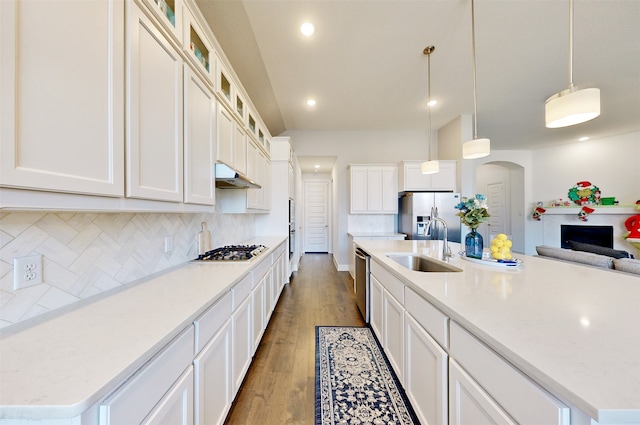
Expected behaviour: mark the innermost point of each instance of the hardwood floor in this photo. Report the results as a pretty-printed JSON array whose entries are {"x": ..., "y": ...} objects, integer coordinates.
[{"x": 280, "y": 384}]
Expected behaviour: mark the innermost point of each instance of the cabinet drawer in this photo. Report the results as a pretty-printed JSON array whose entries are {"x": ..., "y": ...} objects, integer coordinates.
[
  {"x": 430, "y": 318},
  {"x": 262, "y": 269},
  {"x": 211, "y": 320},
  {"x": 389, "y": 281},
  {"x": 242, "y": 290},
  {"x": 132, "y": 402},
  {"x": 521, "y": 398}
]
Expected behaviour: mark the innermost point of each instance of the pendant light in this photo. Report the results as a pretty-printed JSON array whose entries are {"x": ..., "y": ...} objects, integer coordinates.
[
  {"x": 476, "y": 148},
  {"x": 430, "y": 166},
  {"x": 571, "y": 106}
]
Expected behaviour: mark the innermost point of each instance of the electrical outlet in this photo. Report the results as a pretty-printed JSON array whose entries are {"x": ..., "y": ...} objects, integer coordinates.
[
  {"x": 27, "y": 271},
  {"x": 168, "y": 243}
]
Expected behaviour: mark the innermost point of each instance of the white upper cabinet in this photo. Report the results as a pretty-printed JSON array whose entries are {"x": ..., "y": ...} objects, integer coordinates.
[
  {"x": 168, "y": 13},
  {"x": 62, "y": 96},
  {"x": 410, "y": 177},
  {"x": 154, "y": 101},
  {"x": 225, "y": 135},
  {"x": 198, "y": 47},
  {"x": 224, "y": 87},
  {"x": 240, "y": 146},
  {"x": 199, "y": 140},
  {"x": 374, "y": 189}
]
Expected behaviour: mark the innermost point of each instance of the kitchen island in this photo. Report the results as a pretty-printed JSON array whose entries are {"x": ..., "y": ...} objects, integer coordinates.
[
  {"x": 80, "y": 366},
  {"x": 572, "y": 330}
]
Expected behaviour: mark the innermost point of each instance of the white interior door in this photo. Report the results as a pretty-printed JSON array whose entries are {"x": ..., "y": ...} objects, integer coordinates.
[
  {"x": 497, "y": 210},
  {"x": 316, "y": 216}
]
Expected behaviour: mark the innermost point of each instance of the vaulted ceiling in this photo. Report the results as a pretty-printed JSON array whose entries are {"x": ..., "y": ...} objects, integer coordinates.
[{"x": 365, "y": 65}]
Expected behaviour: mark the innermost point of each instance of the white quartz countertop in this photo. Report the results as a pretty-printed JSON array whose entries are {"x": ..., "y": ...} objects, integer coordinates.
[
  {"x": 62, "y": 366},
  {"x": 575, "y": 330}
]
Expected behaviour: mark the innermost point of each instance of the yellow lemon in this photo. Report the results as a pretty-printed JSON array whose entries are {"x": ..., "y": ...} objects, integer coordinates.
[
  {"x": 498, "y": 255},
  {"x": 498, "y": 242},
  {"x": 494, "y": 248},
  {"x": 501, "y": 236},
  {"x": 508, "y": 243},
  {"x": 508, "y": 256}
]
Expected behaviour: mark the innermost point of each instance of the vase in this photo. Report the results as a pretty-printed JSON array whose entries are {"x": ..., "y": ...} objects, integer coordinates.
[{"x": 473, "y": 244}]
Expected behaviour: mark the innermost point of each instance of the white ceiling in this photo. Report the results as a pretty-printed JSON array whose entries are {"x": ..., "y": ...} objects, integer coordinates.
[{"x": 365, "y": 66}]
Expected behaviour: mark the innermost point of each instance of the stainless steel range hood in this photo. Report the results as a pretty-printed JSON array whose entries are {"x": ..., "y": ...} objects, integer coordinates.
[{"x": 228, "y": 178}]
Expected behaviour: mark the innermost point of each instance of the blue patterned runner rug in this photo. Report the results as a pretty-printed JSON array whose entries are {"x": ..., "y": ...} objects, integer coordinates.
[{"x": 354, "y": 382}]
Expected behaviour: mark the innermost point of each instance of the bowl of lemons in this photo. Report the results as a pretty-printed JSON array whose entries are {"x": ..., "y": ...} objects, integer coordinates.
[{"x": 501, "y": 247}]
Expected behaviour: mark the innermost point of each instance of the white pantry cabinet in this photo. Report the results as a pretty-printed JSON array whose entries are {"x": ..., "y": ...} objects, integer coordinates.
[
  {"x": 199, "y": 140},
  {"x": 410, "y": 177},
  {"x": 374, "y": 189},
  {"x": 62, "y": 96},
  {"x": 154, "y": 145}
]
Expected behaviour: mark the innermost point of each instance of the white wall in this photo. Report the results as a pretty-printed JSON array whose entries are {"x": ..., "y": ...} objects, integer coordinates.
[
  {"x": 355, "y": 147},
  {"x": 612, "y": 164}
]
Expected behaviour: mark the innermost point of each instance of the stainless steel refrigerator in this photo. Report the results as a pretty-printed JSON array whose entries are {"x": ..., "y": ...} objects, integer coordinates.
[{"x": 417, "y": 208}]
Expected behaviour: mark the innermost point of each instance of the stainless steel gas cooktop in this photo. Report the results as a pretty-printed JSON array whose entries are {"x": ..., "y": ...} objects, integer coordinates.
[{"x": 232, "y": 253}]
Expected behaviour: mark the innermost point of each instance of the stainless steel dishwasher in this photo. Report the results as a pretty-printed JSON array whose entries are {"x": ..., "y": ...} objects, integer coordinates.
[{"x": 362, "y": 282}]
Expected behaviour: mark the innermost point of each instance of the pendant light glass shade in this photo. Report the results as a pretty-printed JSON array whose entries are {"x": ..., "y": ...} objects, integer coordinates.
[
  {"x": 476, "y": 148},
  {"x": 430, "y": 166},
  {"x": 571, "y": 106}
]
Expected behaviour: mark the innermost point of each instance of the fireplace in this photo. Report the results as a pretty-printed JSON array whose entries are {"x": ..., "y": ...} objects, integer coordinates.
[{"x": 596, "y": 235}]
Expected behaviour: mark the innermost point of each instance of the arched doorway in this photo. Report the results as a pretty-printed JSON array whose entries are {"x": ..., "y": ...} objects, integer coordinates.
[{"x": 503, "y": 184}]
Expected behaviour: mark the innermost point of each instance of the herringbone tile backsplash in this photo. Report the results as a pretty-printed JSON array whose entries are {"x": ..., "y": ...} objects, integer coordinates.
[{"x": 85, "y": 254}]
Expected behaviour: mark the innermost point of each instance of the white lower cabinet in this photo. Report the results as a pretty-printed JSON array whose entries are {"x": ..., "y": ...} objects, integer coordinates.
[
  {"x": 242, "y": 343},
  {"x": 469, "y": 403},
  {"x": 259, "y": 312},
  {"x": 425, "y": 377},
  {"x": 176, "y": 408},
  {"x": 137, "y": 398},
  {"x": 375, "y": 305},
  {"x": 392, "y": 331},
  {"x": 523, "y": 400},
  {"x": 213, "y": 385}
]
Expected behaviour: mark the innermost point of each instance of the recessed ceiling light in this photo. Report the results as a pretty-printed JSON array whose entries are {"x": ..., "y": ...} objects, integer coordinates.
[
  {"x": 583, "y": 139},
  {"x": 316, "y": 166},
  {"x": 311, "y": 102},
  {"x": 307, "y": 28},
  {"x": 432, "y": 102}
]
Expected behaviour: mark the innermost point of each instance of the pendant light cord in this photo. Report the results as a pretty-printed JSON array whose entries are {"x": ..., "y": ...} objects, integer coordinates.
[
  {"x": 428, "y": 103},
  {"x": 571, "y": 45},
  {"x": 473, "y": 54}
]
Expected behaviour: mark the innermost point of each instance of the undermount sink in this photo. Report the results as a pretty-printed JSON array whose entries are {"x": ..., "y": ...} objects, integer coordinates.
[{"x": 422, "y": 264}]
